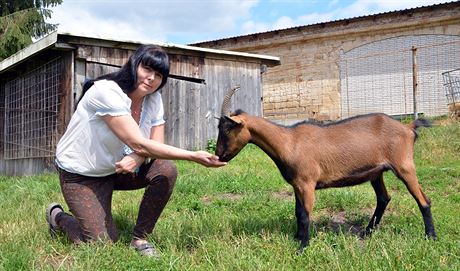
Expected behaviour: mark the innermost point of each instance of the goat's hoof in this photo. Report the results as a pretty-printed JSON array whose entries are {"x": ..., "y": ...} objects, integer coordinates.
[
  {"x": 302, "y": 248},
  {"x": 366, "y": 233},
  {"x": 431, "y": 236},
  {"x": 300, "y": 251}
]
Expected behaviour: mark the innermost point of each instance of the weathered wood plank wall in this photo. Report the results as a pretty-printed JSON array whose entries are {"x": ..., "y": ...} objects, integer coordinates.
[{"x": 190, "y": 108}]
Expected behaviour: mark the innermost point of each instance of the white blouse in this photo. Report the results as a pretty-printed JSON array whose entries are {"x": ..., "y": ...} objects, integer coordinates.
[{"x": 89, "y": 147}]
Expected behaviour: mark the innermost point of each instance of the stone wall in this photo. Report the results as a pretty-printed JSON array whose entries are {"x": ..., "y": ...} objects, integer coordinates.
[{"x": 307, "y": 83}]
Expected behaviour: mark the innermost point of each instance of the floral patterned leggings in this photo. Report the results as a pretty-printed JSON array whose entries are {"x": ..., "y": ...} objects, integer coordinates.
[{"x": 90, "y": 201}]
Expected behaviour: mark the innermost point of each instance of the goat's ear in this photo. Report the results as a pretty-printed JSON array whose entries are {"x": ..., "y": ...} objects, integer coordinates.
[{"x": 232, "y": 122}]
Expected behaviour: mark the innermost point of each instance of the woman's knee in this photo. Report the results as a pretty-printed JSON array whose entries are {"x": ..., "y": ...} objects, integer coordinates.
[{"x": 165, "y": 169}]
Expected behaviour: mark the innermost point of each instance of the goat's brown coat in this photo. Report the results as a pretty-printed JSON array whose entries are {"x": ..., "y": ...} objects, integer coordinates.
[{"x": 346, "y": 153}]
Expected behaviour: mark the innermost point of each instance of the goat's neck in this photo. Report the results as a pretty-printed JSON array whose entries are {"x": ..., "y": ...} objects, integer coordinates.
[{"x": 271, "y": 138}]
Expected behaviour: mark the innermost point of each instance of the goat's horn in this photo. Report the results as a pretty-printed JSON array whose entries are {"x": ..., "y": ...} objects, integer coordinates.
[{"x": 226, "y": 102}]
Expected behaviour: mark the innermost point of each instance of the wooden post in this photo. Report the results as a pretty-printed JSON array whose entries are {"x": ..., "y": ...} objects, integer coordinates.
[{"x": 414, "y": 80}]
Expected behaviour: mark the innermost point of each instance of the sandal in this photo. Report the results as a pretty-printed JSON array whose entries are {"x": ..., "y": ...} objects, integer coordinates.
[
  {"x": 146, "y": 249},
  {"x": 52, "y": 226}
]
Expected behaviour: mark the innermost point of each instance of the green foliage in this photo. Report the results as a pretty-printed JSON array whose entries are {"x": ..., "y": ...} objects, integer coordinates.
[
  {"x": 211, "y": 145},
  {"x": 22, "y": 20},
  {"x": 241, "y": 217}
]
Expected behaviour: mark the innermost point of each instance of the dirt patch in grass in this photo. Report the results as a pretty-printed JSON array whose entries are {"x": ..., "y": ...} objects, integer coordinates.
[
  {"x": 283, "y": 195},
  {"x": 224, "y": 196},
  {"x": 339, "y": 222}
]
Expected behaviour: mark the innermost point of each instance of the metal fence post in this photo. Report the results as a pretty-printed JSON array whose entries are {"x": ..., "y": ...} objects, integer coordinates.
[{"x": 414, "y": 80}]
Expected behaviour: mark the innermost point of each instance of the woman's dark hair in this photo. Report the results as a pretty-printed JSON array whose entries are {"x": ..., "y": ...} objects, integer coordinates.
[{"x": 152, "y": 56}]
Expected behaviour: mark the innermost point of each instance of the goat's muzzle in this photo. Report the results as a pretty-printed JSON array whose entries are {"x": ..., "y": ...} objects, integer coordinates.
[{"x": 225, "y": 158}]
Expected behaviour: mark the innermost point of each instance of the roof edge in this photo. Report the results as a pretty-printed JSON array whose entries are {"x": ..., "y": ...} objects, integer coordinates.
[
  {"x": 326, "y": 23},
  {"x": 56, "y": 37},
  {"x": 271, "y": 59},
  {"x": 28, "y": 51}
]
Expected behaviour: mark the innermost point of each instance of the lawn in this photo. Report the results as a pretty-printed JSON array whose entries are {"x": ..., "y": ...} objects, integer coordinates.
[{"x": 241, "y": 217}]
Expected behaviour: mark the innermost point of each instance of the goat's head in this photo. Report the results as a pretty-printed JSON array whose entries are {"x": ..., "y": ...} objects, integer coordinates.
[{"x": 233, "y": 134}]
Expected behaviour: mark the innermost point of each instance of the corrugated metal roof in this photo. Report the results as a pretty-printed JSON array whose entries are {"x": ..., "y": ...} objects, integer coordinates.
[{"x": 331, "y": 22}]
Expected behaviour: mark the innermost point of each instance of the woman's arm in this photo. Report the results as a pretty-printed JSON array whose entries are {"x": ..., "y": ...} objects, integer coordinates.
[
  {"x": 157, "y": 133},
  {"x": 127, "y": 130},
  {"x": 132, "y": 161}
]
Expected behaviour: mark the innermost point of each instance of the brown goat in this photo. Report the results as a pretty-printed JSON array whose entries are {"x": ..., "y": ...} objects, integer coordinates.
[{"x": 312, "y": 156}]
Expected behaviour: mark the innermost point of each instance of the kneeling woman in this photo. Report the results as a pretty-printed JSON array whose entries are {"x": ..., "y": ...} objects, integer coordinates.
[{"x": 115, "y": 141}]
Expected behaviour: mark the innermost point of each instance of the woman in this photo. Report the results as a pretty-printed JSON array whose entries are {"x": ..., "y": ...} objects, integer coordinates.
[{"x": 115, "y": 141}]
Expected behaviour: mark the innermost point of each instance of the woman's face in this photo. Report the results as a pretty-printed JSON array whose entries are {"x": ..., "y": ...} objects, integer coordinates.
[{"x": 148, "y": 80}]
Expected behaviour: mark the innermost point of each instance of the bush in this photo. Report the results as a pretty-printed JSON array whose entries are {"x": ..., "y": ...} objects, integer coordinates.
[{"x": 211, "y": 145}]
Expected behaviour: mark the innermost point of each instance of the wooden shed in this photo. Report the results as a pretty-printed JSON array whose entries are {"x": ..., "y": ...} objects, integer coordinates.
[{"x": 40, "y": 85}]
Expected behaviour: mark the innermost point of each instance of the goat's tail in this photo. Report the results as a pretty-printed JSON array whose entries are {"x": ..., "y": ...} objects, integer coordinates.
[{"x": 418, "y": 123}]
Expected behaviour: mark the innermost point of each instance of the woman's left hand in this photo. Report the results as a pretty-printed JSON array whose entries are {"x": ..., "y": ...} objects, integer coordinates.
[
  {"x": 129, "y": 163},
  {"x": 207, "y": 159}
]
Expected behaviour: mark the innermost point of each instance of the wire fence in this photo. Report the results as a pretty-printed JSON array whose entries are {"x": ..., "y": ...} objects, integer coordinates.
[
  {"x": 31, "y": 106},
  {"x": 398, "y": 76},
  {"x": 452, "y": 87},
  {"x": 381, "y": 76}
]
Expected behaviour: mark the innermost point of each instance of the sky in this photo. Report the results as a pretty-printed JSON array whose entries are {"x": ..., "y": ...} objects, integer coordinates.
[{"x": 190, "y": 21}]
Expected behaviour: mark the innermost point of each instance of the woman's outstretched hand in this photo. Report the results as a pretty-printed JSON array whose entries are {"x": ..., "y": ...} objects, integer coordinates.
[{"x": 207, "y": 159}]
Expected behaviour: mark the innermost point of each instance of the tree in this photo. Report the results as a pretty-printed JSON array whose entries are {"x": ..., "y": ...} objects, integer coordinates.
[{"x": 22, "y": 20}]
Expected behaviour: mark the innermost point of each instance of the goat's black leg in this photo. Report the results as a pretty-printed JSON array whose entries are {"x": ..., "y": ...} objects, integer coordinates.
[
  {"x": 428, "y": 220},
  {"x": 303, "y": 225},
  {"x": 301, "y": 215},
  {"x": 304, "y": 234},
  {"x": 408, "y": 176},
  {"x": 306, "y": 196},
  {"x": 382, "y": 202}
]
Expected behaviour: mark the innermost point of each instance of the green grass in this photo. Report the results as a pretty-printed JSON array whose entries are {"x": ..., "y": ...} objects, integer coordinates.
[{"x": 241, "y": 217}]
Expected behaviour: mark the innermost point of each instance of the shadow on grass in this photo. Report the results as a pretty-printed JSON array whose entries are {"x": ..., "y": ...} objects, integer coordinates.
[
  {"x": 340, "y": 224},
  {"x": 125, "y": 228},
  {"x": 190, "y": 237},
  {"x": 337, "y": 223}
]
